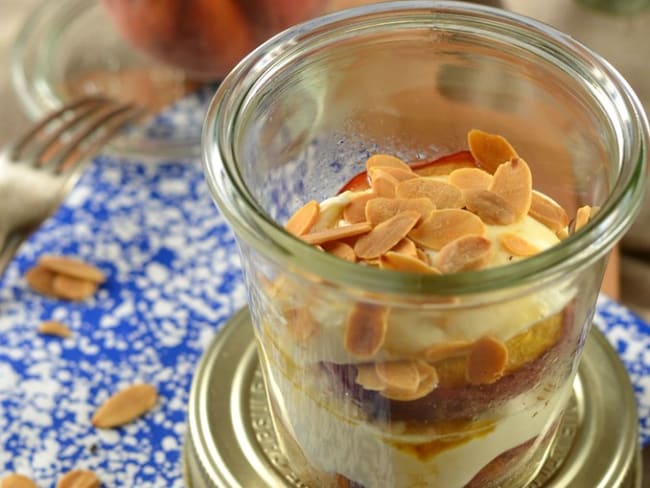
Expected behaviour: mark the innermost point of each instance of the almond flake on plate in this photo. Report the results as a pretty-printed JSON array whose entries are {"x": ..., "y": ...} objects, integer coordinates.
[
  {"x": 72, "y": 288},
  {"x": 72, "y": 267},
  {"x": 125, "y": 405},
  {"x": 15, "y": 480},
  {"x": 79, "y": 478},
  {"x": 54, "y": 328}
]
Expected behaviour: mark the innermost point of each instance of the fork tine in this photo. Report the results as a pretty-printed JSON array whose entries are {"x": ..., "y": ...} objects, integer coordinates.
[
  {"x": 55, "y": 161},
  {"x": 109, "y": 130},
  {"x": 20, "y": 144},
  {"x": 55, "y": 136}
]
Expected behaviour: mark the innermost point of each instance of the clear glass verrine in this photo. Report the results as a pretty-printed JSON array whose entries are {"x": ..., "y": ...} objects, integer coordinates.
[{"x": 300, "y": 115}]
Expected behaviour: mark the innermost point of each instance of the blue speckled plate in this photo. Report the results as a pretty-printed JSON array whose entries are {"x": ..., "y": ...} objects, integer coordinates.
[{"x": 174, "y": 279}]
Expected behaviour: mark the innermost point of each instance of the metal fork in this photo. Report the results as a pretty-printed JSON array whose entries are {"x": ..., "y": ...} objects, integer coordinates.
[{"x": 40, "y": 169}]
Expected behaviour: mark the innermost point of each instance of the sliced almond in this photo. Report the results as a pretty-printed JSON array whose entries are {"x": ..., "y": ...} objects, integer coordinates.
[
  {"x": 368, "y": 378},
  {"x": 125, "y": 406},
  {"x": 53, "y": 328},
  {"x": 337, "y": 233},
  {"x": 379, "y": 210},
  {"x": 386, "y": 235},
  {"x": 406, "y": 246},
  {"x": 464, "y": 254},
  {"x": 441, "y": 194},
  {"x": 486, "y": 361},
  {"x": 470, "y": 179},
  {"x": 401, "y": 262},
  {"x": 355, "y": 211},
  {"x": 72, "y": 267},
  {"x": 562, "y": 234},
  {"x": 398, "y": 173},
  {"x": 79, "y": 478},
  {"x": 445, "y": 350},
  {"x": 385, "y": 161},
  {"x": 71, "y": 288},
  {"x": 304, "y": 219},
  {"x": 40, "y": 280},
  {"x": 490, "y": 207},
  {"x": 583, "y": 215},
  {"x": 402, "y": 375},
  {"x": 489, "y": 150},
  {"x": 548, "y": 212},
  {"x": 15, "y": 480},
  {"x": 428, "y": 382},
  {"x": 340, "y": 250},
  {"x": 424, "y": 257},
  {"x": 513, "y": 182},
  {"x": 517, "y": 245},
  {"x": 443, "y": 226},
  {"x": 301, "y": 324},
  {"x": 365, "y": 330},
  {"x": 383, "y": 183}
]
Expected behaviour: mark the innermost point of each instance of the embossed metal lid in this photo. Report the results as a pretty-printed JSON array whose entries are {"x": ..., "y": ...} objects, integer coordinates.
[{"x": 231, "y": 443}]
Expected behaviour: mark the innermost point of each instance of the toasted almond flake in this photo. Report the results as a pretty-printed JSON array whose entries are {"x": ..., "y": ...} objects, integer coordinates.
[
  {"x": 401, "y": 375},
  {"x": 470, "y": 179},
  {"x": 548, "y": 212},
  {"x": 464, "y": 254},
  {"x": 513, "y": 182},
  {"x": 355, "y": 211},
  {"x": 562, "y": 234},
  {"x": 54, "y": 328},
  {"x": 40, "y": 280},
  {"x": 442, "y": 195},
  {"x": 383, "y": 183},
  {"x": 443, "y": 226},
  {"x": 398, "y": 173},
  {"x": 489, "y": 150},
  {"x": 340, "y": 250},
  {"x": 337, "y": 233},
  {"x": 386, "y": 235},
  {"x": 490, "y": 207},
  {"x": 445, "y": 350},
  {"x": 385, "y": 161},
  {"x": 379, "y": 210},
  {"x": 406, "y": 246},
  {"x": 401, "y": 262},
  {"x": 125, "y": 406},
  {"x": 304, "y": 219},
  {"x": 72, "y": 267},
  {"x": 79, "y": 478},
  {"x": 517, "y": 245},
  {"x": 71, "y": 288},
  {"x": 583, "y": 215},
  {"x": 428, "y": 382},
  {"x": 301, "y": 324},
  {"x": 368, "y": 378},
  {"x": 365, "y": 330},
  {"x": 15, "y": 480},
  {"x": 486, "y": 361}
]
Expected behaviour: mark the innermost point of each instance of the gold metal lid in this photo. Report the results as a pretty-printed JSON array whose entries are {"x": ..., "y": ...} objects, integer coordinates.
[{"x": 230, "y": 440}]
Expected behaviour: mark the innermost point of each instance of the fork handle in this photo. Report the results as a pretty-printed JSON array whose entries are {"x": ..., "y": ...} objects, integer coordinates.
[{"x": 9, "y": 244}]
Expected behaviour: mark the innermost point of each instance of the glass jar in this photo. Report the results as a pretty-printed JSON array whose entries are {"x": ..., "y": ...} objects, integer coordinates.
[{"x": 298, "y": 117}]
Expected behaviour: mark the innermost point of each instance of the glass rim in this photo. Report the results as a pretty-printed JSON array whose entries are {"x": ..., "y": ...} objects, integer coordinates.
[{"x": 257, "y": 228}]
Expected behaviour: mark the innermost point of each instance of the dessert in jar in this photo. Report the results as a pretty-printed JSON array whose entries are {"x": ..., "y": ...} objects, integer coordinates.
[
  {"x": 444, "y": 354},
  {"x": 424, "y": 396}
]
